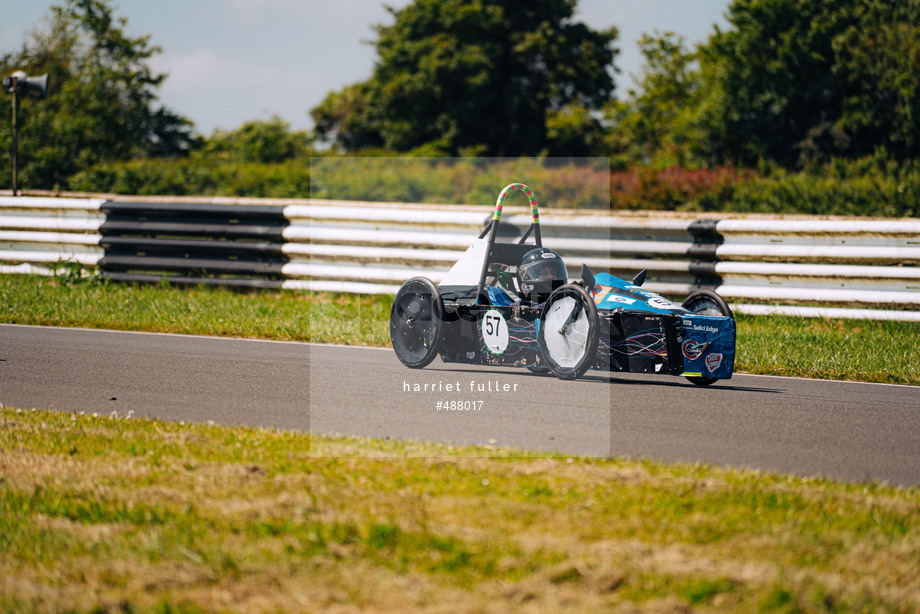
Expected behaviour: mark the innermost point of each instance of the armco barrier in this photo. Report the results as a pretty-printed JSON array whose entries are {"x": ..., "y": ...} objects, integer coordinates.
[
  {"x": 798, "y": 265},
  {"x": 193, "y": 242},
  {"x": 36, "y": 233}
]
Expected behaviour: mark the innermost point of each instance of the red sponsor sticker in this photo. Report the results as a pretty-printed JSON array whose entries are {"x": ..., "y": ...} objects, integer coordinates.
[
  {"x": 692, "y": 349},
  {"x": 713, "y": 361}
]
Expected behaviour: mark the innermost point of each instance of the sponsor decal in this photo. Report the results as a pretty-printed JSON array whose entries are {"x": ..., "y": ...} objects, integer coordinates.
[
  {"x": 495, "y": 331},
  {"x": 692, "y": 350},
  {"x": 470, "y": 355},
  {"x": 616, "y": 298},
  {"x": 548, "y": 255},
  {"x": 605, "y": 294},
  {"x": 599, "y": 293},
  {"x": 705, "y": 329},
  {"x": 713, "y": 361},
  {"x": 662, "y": 303}
]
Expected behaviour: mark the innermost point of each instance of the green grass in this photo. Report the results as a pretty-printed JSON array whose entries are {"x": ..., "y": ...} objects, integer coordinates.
[
  {"x": 863, "y": 350},
  {"x": 110, "y": 513},
  {"x": 279, "y": 315},
  {"x": 118, "y": 514}
]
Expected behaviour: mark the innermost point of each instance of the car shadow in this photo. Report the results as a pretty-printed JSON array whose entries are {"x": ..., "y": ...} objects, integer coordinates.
[
  {"x": 609, "y": 378},
  {"x": 671, "y": 382}
]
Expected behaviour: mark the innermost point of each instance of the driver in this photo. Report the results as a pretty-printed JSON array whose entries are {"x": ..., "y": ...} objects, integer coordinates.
[
  {"x": 541, "y": 271},
  {"x": 545, "y": 272}
]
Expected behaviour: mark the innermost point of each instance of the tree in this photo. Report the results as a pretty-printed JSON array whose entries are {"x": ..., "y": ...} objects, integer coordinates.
[
  {"x": 262, "y": 141},
  {"x": 574, "y": 131},
  {"x": 462, "y": 75},
  {"x": 879, "y": 66},
  {"x": 343, "y": 118},
  {"x": 795, "y": 81},
  {"x": 656, "y": 124},
  {"x": 101, "y": 106}
]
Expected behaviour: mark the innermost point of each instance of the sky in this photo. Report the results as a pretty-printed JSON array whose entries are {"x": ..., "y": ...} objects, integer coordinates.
[{"x": 233, "y": 61}]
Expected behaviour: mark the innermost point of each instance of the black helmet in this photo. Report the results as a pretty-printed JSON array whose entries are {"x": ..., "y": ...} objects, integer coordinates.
[{"x": 540, "y": 272}]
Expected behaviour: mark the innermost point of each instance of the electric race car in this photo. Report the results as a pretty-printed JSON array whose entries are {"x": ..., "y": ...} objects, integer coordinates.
[{"x": 511, "y": 304}]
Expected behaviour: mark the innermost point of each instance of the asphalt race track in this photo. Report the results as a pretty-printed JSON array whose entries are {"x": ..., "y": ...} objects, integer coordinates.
[{"x": 842, "y": 430}]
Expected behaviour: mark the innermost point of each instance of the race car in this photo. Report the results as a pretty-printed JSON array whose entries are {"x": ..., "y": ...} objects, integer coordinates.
[{"x": 511, "y": 304}]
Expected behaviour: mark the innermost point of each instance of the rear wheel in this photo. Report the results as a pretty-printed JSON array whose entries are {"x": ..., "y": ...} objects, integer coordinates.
[
  {"x": 417, "y": 322},
  {"x": 569, "y": 328},
  {"x": 706, "y": 303}
]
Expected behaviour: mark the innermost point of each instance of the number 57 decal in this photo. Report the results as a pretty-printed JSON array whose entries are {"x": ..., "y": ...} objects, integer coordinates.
[{"x": 495, "y": 331}]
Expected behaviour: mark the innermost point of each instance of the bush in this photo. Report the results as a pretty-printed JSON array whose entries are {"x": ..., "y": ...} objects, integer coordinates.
[
  {"x": 860, "y": 188},
  {"x": 673, "y": 188},
  {"x": 870, "y": 187},
  {"x": 197, "y": 176},
  {"x": 558, "y": 183}
]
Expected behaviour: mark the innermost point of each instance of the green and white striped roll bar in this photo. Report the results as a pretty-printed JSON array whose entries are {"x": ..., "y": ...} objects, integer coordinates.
[{"x": 492, "y": 228}]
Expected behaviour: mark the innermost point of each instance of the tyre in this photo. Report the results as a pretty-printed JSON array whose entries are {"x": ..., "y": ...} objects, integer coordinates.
[
  {"x": 706, "y": 303},
  {"x": 569, "y": 328},
  {"x": 417, "y": 322}
]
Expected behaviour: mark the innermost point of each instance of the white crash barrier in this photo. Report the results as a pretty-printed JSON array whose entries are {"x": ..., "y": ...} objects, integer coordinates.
[
  {"x": 799, "y": 265},
  {"x": 38, "y": 232}
]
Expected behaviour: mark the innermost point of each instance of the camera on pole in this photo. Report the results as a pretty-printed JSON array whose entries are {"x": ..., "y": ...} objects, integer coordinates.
[{"x": 20, "y": 84}]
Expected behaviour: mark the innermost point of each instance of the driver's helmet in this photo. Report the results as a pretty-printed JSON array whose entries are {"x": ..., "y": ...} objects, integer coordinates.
[{"x": 541, "y": 271}]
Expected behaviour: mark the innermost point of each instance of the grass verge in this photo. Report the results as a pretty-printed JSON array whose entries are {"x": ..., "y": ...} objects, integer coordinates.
[
  {"x": 118, "y": 514},
  {"x": 862, "y": 350},
  {"x": 281, "y": 315}
]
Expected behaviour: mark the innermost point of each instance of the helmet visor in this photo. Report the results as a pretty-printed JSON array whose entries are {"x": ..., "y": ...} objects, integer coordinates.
[{"x": 550, "y": 269}]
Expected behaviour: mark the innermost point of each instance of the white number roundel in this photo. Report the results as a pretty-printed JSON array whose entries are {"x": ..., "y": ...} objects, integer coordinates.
[
  {"x": 662, "y": 303},
  {"x": 495, "y": 331}
]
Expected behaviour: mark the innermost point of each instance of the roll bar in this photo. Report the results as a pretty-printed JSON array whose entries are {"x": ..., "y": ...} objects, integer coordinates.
[{"x": 492, "y": 228}]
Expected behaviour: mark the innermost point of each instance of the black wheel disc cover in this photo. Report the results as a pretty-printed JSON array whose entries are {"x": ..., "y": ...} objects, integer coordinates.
[{"x": 417, "y": 322}]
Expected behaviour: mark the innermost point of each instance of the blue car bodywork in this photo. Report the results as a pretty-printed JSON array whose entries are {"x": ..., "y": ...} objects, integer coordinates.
[
  {"x": 640, "y": 332},
  {"x": 707, "y": 342}
]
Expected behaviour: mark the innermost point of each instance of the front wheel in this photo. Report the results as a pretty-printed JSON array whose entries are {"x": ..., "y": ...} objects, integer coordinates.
[
  {"x": 569, "y": 329},
  {"x": 706, "y": 303},
  {"x": 417, "y": 322}
]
